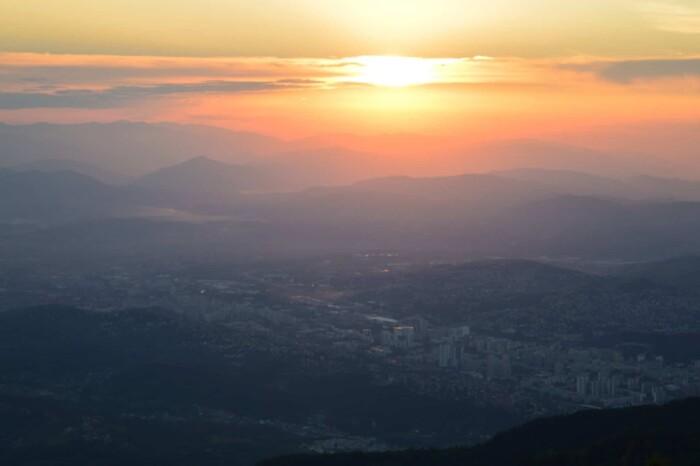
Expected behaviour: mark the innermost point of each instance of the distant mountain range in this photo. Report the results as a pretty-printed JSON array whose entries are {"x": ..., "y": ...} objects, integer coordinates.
[
  {"x": 131, "y": 148},
  {"x": 524, "y": 213},
  {"x": 137, "y": 148},
  {"x": 295, "y": 196},
  {"x": 82, "y": 168},
  {"x": 584, "y": 184}
]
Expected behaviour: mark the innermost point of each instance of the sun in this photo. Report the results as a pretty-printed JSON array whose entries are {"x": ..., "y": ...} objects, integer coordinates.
[{"x": 395, "y": 71}]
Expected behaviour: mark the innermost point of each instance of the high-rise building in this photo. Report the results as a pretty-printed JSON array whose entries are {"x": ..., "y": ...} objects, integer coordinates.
[
  {"x": 448, "y": 354},
  {"x": 399, "y": 337},
  {"x": 498, "y": 367},
  {"x": 582, "y": 385}
]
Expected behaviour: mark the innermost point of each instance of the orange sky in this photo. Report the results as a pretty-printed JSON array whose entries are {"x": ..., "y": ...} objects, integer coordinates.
[
  {"x": 469, "y": 98},
  {"x": 506, "y": 69}
]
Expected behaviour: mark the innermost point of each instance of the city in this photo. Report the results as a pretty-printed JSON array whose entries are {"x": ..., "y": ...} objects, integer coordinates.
[{"x": 332, "y": 322}]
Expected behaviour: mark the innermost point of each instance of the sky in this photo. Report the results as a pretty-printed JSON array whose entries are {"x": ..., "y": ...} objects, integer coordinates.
[{"x": 459, "y": 70}]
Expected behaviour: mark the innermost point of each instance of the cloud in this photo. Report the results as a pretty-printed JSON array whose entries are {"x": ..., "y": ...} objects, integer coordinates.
[
  {"x": 95, "y": 81},
  {"x": 628, "y": 71},
  {"x": 673, "y": 16},
  {"x": 121, "y": 95},
  {"x": 126, "y": 69}
]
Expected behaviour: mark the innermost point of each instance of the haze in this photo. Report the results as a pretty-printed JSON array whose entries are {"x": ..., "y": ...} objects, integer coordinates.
[{"x": 349, "y": 232}]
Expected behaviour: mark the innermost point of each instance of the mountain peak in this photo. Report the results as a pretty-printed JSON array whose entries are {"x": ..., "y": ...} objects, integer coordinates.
[
  {"x": 203, "y": 160},
  {"x": 201, "y": 178}
]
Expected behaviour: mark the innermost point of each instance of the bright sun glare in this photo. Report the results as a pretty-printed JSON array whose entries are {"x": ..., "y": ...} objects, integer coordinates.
[{"x": 395, "y": 71}]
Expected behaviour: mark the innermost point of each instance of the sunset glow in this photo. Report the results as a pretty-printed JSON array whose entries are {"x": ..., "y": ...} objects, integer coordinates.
[
  {"x": 393, "y": 71},
  {"x": 448, "y": 70}
]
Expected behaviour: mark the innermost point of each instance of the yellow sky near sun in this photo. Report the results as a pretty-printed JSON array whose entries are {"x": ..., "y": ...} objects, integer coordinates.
[{"x": 334, "y": 28}]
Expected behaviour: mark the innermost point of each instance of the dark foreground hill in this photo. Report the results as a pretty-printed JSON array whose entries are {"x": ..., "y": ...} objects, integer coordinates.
[
  {"x": 642, "y": 436},
  {"x": 152, "y": 387}
]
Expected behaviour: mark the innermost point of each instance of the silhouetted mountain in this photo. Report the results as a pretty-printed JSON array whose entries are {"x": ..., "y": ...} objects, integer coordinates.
[
  {"x": 643, "y": 436},
  {"x": 666, "y": 188},
  {"x": 398, "y": 209},
  {"x": 478, "y": 215},
  {"x": 585, "y": 184},
  {"x": 680, "y": 273},
  {"x": 588, "y": 227},
  {"x": 56, "y": 196},
  {"x": 129, "y": 147},
  {"x": 570, "y": 182},
  {"x": 135, "y": 148},
  {"x": 485, "y": 215},
  {"x": 347, "y": 221},
  {"x": 199, "y": 180},
  {"x": 83, "y": 168}
]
